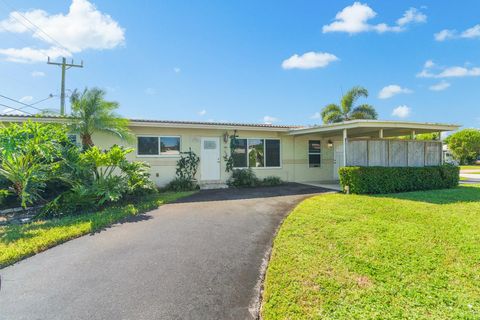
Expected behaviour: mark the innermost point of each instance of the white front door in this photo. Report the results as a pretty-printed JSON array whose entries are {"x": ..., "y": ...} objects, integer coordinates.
[
  {"x": 210, "y": 159},
  {"x": 337, "y": 158}
]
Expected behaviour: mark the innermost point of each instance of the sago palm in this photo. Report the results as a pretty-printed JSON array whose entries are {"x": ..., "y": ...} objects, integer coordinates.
[
  {"x": 346, "y": 111},
  {"x": 92, "y": 113}
]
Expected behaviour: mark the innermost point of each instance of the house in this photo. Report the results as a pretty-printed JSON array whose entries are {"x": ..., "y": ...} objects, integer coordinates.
[{"x": 293, "y": 153}]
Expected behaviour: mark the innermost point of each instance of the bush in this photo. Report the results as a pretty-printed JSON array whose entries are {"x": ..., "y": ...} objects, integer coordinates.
[
  {"x": 243, "y": 178},
  {"x": 371, "y": 180},
  {"x": 272, "y": 181},
  {"x": 181, "y": 184}
]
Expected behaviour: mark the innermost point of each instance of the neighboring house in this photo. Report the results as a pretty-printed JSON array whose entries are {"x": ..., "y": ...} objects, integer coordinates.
[
  {"x": 293, "y": 153},
  {"x": 448, "y": 156}
]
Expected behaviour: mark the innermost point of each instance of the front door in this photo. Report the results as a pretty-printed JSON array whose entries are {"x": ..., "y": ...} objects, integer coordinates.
[
  {"x": 210, "y": 159},
  {"x": 337, "y": 158}
]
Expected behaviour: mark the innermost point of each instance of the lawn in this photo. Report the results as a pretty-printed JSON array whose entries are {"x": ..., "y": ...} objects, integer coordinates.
[
  {"x": 21, "y": 241},
  {"x": 474, "y": 167},
  {"x": 406, "y": 256}
]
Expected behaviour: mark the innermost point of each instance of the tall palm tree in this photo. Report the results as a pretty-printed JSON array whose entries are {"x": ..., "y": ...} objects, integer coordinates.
[
  {"x": 92, "y": 113},
  {"x": 334, "y": 113}
]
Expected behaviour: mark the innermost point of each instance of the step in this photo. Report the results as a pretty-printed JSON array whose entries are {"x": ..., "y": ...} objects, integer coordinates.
[{"x": 209, "y": 185}]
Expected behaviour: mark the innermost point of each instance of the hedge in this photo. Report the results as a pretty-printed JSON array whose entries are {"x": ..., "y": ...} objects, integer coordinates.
[{"x": 370, "y": 180}]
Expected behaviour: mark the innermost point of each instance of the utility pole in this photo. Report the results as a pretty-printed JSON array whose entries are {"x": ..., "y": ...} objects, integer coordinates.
[{"x": 65, "y": 66}]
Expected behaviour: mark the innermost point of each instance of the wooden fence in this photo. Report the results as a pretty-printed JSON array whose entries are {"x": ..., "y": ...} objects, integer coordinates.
[{"x": 393, "y": 153}]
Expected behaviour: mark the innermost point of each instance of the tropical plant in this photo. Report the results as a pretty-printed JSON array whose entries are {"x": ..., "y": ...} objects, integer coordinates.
[
  {"x": 187, "y": 165},
  {"x": 243, "y": 178},
  {"x": 465, "y": 145},
  {"x": 346, "y": 111},
  {"x": 181, "y": 184},
  {"x": 92, "y": 113}
]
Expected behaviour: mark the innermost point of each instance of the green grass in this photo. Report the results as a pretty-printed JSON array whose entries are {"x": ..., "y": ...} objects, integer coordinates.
[
  {"x": 20, "y": 241},
  {"x": 474, "y": 167},
  {"x": 405, "y": 256}
]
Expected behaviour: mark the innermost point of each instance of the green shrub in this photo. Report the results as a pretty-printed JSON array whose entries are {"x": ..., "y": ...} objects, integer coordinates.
[
  {"x": 181, "y": 184},
  {"x": 243, "y": 178},
  {"x": 272, "y": 181},
  {"x": 372, "y": 180}
]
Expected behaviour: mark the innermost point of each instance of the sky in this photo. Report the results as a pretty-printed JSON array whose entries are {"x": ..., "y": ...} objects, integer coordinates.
[{"x": 248, "y": 61}]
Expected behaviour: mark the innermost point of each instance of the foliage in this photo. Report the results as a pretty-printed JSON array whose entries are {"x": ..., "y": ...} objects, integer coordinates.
[
  {"x": 187, "y": 165},
  {"x": 32, "y": 158},
  {"x": 272, "y": 181},
  {"x": 243, "y": 178},
  {"x": 20, "y": 241},
  {"x": 228, "y": 158},
  {"x": 370, "y": 180},
  {"x": 102, "y": 177},
  {"x": 181, "y": 184},
  {"x": 345, "y": 111},
  {"x": 92, "y": 113},
  {"x": 406, "y": 256},
  {"x": 465, "y": 145}
]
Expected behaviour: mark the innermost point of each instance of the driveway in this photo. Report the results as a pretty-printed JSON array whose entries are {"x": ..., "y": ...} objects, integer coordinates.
[{"x": 199, "y": 258}]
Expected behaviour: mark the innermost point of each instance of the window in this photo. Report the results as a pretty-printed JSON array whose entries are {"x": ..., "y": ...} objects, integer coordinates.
[
  {"x": 314, "y": 153},
  {"x": 256, "y": 153},
  {"x": 154, "y": 146},
  {"x": 72, "y": 138},
  {"x": 170, "y": 145}
]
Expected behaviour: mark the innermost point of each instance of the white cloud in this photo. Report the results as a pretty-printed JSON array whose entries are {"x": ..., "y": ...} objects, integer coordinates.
[
  {"x": 309, "y": 60},
  {"x": 354, "y": 19},
  {"x": 444, "y": 35},
  {"x": 470, "y": 33},
  {"x": 316, "y": 115},
  {"x": 12, "y": 111},
  {"x": 412, "y": 15},
  {"x": 270, "y": 119},
  {"x": 37, "y": 74},
  {"x": 442, "y": 85},
  {"x": 150, "y": 91},
  {"x": 401, "y": 111},
  {"x": 473, "y": 32},
  {"x": 391, "y": 90},
  {"x": 430, "y": 70},
  {"x": 26, "y": 99},
  {"x": 83, "y": 27},
  {"x": 202, "y": 112},
  {"x": 177, "y": 70}
]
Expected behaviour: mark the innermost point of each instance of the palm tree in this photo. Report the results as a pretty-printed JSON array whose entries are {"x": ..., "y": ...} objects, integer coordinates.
[
  {"x": 92, "y": 113},
  {"x": 334, "y": 113}
]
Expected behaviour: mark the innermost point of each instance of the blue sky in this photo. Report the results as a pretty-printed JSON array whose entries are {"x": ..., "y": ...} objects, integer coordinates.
[{"x": 235, "y": 60}]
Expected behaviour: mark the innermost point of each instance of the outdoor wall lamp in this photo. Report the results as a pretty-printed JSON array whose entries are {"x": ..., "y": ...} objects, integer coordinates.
[
  {"x": 225, "y": 137},
  {"x": 329, "y": 143}
]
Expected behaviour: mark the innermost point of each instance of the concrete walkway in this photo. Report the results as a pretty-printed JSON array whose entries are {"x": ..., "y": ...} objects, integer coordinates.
[{"x": 197, "y": 259}]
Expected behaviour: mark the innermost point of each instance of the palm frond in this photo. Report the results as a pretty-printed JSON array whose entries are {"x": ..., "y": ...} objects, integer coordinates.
[
  {"x": 331, "y": 113},
  {"x": 351, "y": 96},
  {"x": 364, "y": 111}
]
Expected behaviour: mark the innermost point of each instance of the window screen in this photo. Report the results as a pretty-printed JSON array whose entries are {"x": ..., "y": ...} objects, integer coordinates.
[
  {"x": 314, "y": 153},
  {"x": 240, "y": 154},
  {"x": 147, "y": 145},
  {"x": 272, "y": 153}
]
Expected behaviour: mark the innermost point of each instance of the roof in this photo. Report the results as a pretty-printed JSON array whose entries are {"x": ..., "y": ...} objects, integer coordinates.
[
  {"x": 353, "y": 126},
  {"x": 371, "y": 127}
]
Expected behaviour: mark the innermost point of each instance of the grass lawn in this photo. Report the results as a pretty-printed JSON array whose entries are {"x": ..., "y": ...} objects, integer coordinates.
[
  {"x": 21, "y": 241},
  {"x": 405, "y": 256},
  {"x": 474, "y": 167}
]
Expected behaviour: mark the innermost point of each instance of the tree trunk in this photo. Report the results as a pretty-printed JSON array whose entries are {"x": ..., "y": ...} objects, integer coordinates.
[{"x": 87, "y": 141}]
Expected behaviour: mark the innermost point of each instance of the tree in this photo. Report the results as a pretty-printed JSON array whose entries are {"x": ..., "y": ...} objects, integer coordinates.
[
  {"x": 334, "y": 113},
  {"x": 465, "y": 145},
  {"x": 92, "y": 113}
]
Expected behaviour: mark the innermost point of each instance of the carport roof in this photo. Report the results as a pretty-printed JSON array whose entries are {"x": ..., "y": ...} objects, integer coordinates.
[{"x": 361, "y": 128}]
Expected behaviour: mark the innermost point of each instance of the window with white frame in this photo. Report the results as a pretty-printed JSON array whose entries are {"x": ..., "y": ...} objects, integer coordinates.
[
  {"x": 155, "y": 146},
  {"x": 314, "y": 153},
  {"x": 256, "y": 153}
]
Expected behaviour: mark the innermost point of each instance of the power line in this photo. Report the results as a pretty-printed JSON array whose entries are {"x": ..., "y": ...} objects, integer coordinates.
[
  {"x": 65, "y": 66},
  {"x": 35, "y": 26},
  {"x": 26, "y": 104},
  {"x": 10, "y": 107}
]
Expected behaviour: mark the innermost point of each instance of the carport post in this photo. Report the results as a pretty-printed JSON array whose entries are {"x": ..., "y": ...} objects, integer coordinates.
[
  {"x": 344, "y": 147},
  {"x": 380, "y": 133}
]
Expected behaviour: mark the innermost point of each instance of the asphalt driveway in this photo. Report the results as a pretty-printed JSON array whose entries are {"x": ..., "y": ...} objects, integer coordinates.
[{"x": 199, "y": 258}]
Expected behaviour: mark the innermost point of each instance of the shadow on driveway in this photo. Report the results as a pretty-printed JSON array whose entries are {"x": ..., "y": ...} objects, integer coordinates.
[{"x": 288, "y": 189}]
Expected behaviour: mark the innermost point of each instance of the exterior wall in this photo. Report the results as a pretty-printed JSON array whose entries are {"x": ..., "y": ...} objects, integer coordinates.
[
  {"x": 293, "y": 153},
  {"x": 393, "y": 153}
]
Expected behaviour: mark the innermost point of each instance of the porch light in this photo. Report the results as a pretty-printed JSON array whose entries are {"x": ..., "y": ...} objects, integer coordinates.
[
  {"x": 330, "y": 143},
  {"x": 225, "y": 137}
]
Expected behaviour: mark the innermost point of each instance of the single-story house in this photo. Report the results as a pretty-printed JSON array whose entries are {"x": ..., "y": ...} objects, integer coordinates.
[{"x": 293, "y": 153}]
